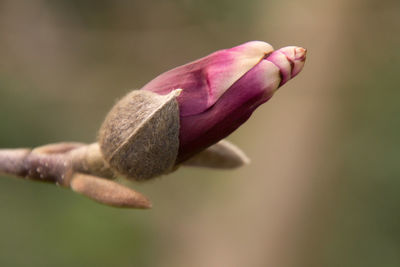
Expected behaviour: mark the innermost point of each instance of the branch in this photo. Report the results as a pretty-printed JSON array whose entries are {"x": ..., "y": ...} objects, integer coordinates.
[{"x": 72, "y": 165}]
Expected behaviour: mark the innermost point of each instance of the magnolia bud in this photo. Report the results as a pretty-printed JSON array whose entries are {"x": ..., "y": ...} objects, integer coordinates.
[
  {"x": 139, "y": 137},
  {"x": 151, "y": 130},
  {"x": 221, "y": 91}
]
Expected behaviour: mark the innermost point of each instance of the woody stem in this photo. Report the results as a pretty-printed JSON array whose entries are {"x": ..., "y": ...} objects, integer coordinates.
[{"x": 25, "y": 163}]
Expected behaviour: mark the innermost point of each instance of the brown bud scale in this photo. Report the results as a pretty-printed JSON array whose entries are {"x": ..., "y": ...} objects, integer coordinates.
[{"x": 140, "y": 136}]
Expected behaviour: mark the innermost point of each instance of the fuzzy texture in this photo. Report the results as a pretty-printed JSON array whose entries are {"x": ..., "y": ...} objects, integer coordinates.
[
  {"x": 108, "y": 192},
  {"x": 139, "y": 137},
  {"x": 77, "y": 166}
]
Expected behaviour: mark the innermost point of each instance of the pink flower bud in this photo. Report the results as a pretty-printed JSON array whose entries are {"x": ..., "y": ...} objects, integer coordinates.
[{"x": 221, "y": 90}]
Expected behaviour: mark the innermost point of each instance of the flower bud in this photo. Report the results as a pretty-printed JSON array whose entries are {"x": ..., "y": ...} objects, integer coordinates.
[{"x": 221, "y": 91}]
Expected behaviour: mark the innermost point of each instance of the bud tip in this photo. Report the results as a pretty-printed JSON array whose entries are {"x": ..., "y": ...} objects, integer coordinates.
[{"x": 300, "y": 53}]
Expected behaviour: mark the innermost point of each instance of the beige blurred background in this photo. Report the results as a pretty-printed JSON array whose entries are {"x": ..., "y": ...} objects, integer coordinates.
[{"x": 323, "y": 187}]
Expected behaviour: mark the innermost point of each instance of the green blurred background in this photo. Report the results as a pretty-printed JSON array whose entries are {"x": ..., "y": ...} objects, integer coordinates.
[{"x": 323, "y": 188}]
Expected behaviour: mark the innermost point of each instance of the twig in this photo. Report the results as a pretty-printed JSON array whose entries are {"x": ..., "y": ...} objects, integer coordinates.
[{"x": 72, "y": 165}]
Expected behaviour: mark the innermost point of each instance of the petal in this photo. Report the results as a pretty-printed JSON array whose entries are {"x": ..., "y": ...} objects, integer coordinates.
[
  {"x": 290, "y": 60},
  {"x": 232, "y": 109},
  {"x": 205, "y": 80}
]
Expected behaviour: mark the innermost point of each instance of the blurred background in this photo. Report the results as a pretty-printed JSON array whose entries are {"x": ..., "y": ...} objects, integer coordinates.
[{"x": 323, "y": 188}]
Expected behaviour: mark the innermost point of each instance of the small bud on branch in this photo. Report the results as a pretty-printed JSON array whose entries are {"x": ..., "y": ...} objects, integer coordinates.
[{"x": 179, "y": 118}]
